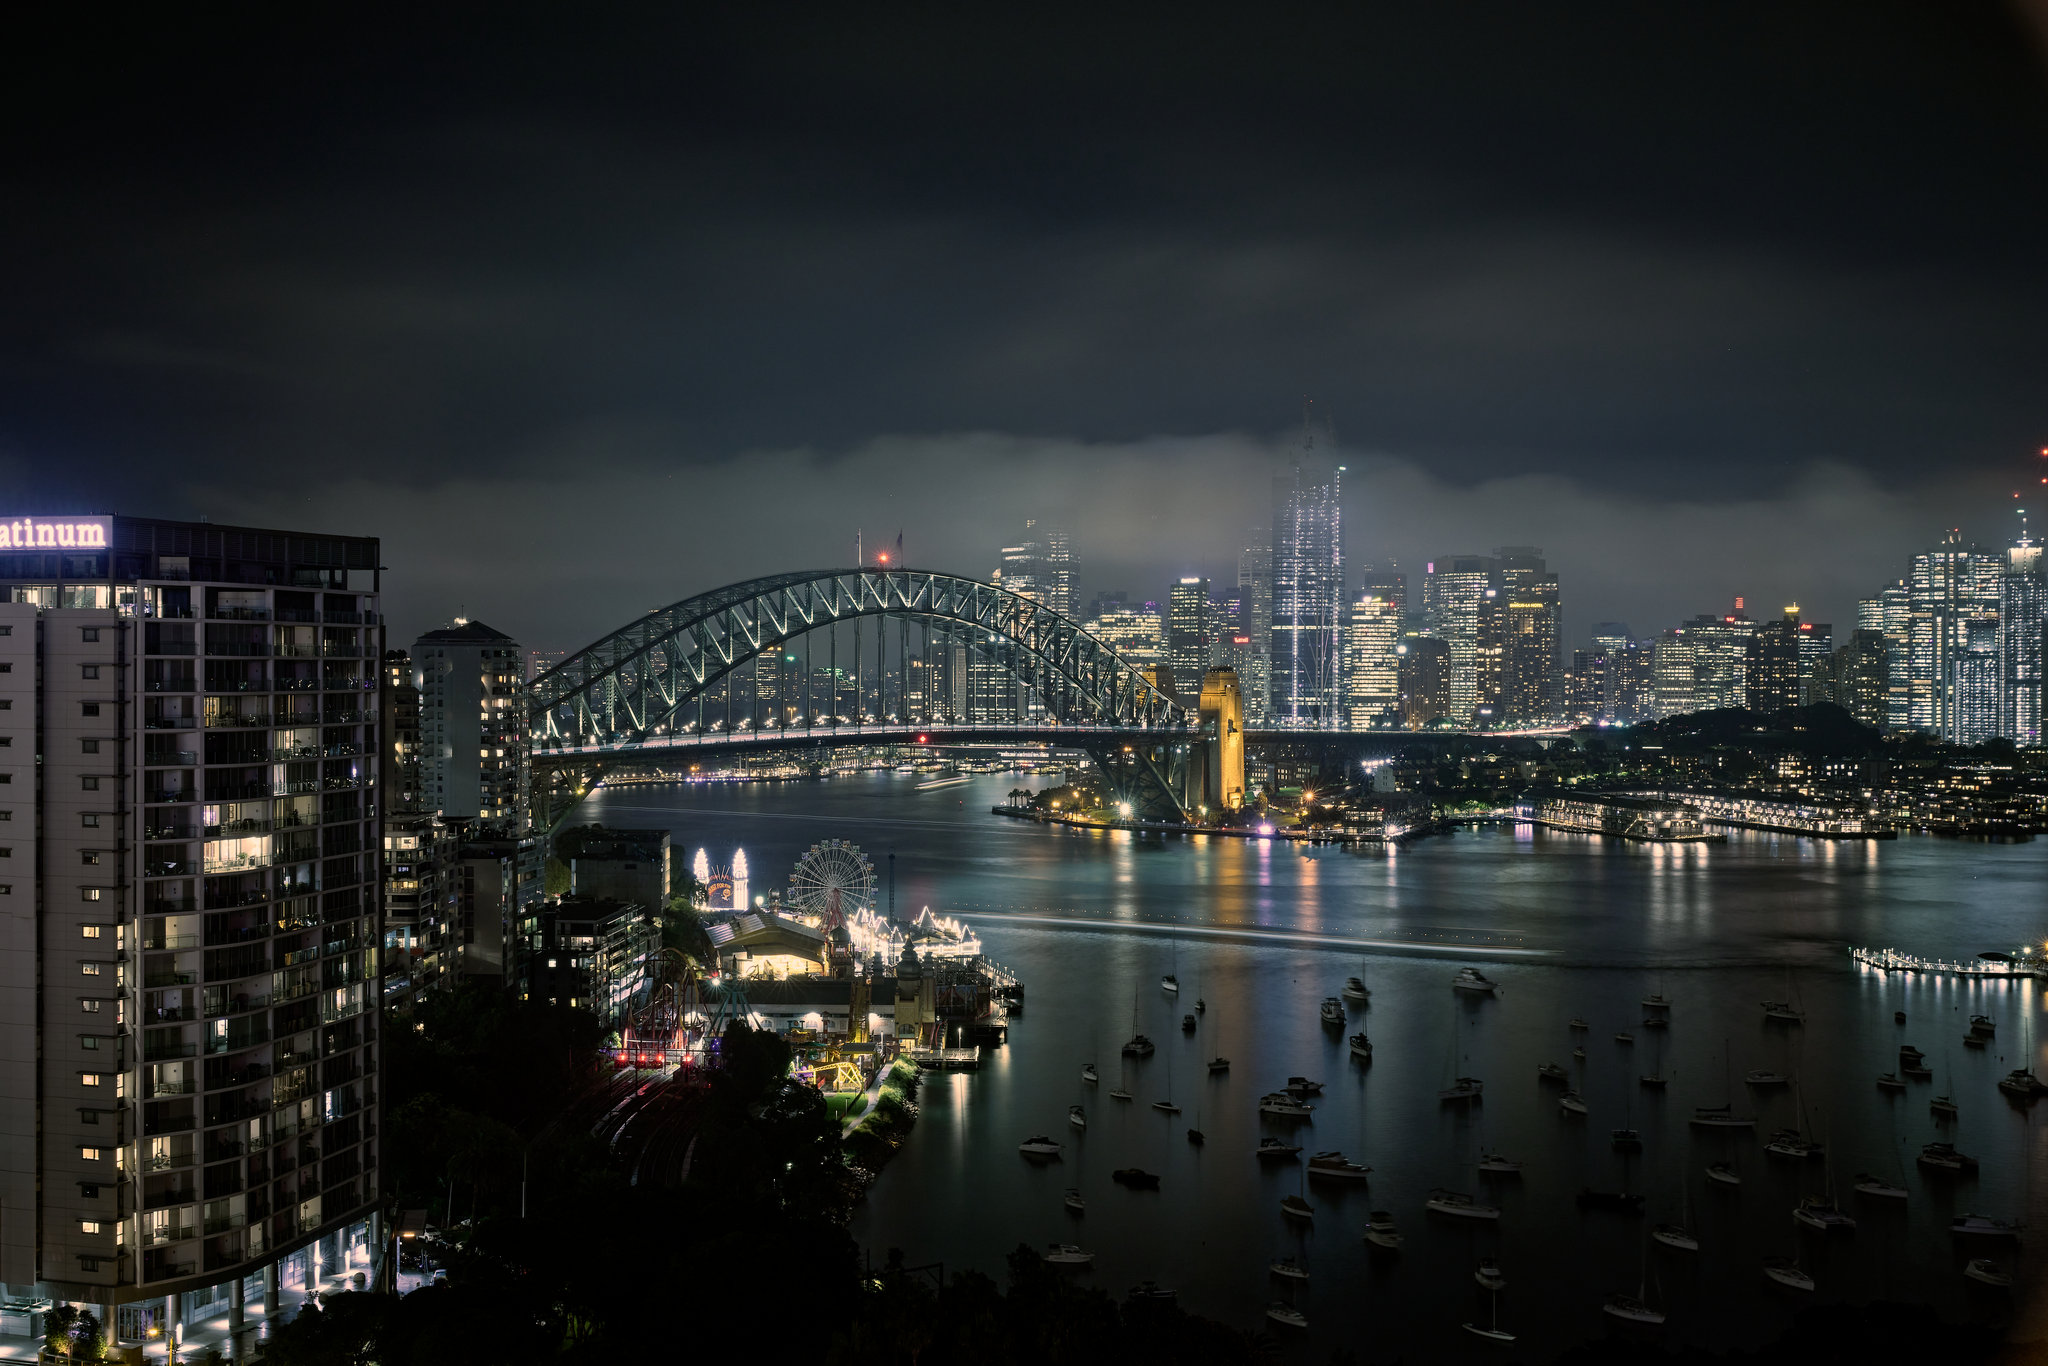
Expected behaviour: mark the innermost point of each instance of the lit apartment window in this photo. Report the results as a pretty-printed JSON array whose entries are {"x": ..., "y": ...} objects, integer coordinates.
[
  {"x": 89, "y": 857},
  {"x": 87, "y": 1003},
  {"x": 89, "y": 969},
  {"x": 90, "y": 1078},
  {"x": 88, "y": 1226},
  {"x": 89, "y": 893},
  {"x": 90, "y": 1153}
]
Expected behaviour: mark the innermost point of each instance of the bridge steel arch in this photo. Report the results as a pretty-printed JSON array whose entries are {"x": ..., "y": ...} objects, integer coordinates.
[{"x": 637, "y": 681}]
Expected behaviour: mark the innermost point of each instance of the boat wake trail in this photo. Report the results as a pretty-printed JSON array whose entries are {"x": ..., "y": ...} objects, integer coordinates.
[{"x": 1250, "y": 934}]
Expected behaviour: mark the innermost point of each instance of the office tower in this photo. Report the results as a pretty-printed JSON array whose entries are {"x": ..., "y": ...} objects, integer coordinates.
[
  {"x": 1856, "y": 677},
  {"x": 1058, "y": 574},
  {"x": 2022, "y": 605},
  {"x": 1671, "y": 687},
  {"x": 539, "y": 662},
  {"x": 1424, "y": 676},
  {"x": 1453, "y": 592},
  {"x": 1890, "y": 613},
  {"x": 1977, "y": 713},
  {"x": 1372, "y": 685},
  {"x": 1771, "y": 672},
  {"x": 473, "y": 737},
  {"x": 1308, "y": 593},
  {"x": 1816, "y": 646},
  {"x": 1190, "y": 635},
  {"x": 1720, "y": 659},
  {"x": 189, "y": 889},
  {"x": 1135, "y": 633},
  {"x": 1950, "y": 587},
  {"x": 1586, "y": 688},
  {"x": 1533, "y": 621},
  {"x": 1040, "y": 567},
  {"x": 1632, "y": 682},
  {"x": 1611, "y": 636},
  {"x": 1255, "y": 621},
  {"x": 1489, "y": 654}
]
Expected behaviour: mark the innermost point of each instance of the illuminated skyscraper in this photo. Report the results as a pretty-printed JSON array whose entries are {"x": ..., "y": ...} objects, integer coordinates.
[
  {"x": 1308, "y": 593},
  {"x": 1532, "y": 620},
  {"x": 2022, "y": 605},
  {"x": 1372, "y": 687},
  {"x": 1255, "y": 622},
  {"x": 1951, "y": 586},
  {"x": 1191, "y": 635},
  {"x": 1453, "y": 596}
]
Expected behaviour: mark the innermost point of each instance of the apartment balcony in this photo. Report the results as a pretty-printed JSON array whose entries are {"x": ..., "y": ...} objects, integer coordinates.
[
  {"x": 298, "y": 685},
  {"x": 167, "y": 1162},
  {"x": 167, "y": 1268},
  {"x": 161, "y": 831},
  {"x": 169, "y": 1052},
  {"x": 238, "y": 720},
  {"x": 165, "y": 1199},
  {"x": 163, "y": 942},
  {"x": 170, "y": 758},
  {"x": 153, "y": 1089},
  {"x": 306, "y": 614},
  {"x": 170, "y": 979},
  {"x": 239, "y": 614},
  {"x": 170, "y": 723},
  {"x": 170, "y": 685},
  {"x": 234, "y": 1042},
  {"x": 169, "y": 868},
  {"x": 168, "y": 796}
]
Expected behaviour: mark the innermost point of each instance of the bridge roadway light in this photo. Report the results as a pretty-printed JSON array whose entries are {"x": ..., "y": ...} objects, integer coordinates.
[{"x": 1124, "y": 809}]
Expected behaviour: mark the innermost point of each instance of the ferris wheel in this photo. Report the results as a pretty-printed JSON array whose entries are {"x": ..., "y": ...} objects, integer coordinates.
[{"x": 833, "y": 881}]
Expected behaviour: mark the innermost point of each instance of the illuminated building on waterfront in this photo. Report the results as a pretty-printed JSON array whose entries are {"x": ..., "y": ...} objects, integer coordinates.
[
  {"x": 1306, "y": 655},
  {"x": 1372, "y": 639}
]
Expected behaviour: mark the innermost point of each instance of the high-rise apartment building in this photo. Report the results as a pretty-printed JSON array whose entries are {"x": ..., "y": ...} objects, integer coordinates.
[
  {"x": 1191, "y": 635},
  {"x": 1720, "y": 659},
  {"x": 1306, "y": 654},
  {"x": 1372, "y": 641},
  {"x": 2022, "y": 617},
  {"x": 1453, "y": 598},
  {"x": 1976, "y": 710},
  {"x": 1772, "y": 673},
  {"x": 1532, "y": 624},
  {"x": 1951, "y": 587},
  {"x": 1255, "y": 622},
  {"x": 189, "y": 785},
  {"x": 473, "y": 739}
]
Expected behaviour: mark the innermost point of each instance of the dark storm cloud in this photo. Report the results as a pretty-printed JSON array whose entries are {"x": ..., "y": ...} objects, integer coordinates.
[{"x": 741, "y": 282}]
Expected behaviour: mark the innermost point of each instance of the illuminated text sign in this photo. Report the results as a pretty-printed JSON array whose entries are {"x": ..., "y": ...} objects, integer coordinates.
[{"x": 63, "y": 533}]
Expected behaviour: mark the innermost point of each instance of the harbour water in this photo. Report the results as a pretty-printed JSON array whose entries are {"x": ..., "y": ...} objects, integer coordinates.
[{"x": 1569, "y": 925}]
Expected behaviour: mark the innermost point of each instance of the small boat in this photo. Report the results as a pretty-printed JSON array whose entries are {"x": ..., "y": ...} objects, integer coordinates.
[
  {"x": 1579, "y": 1054},
  {"x": 1474, "y": 981},
  {"x": 1287, "y": 1269},
  {"x": 1783, "y": 1012},
  {"x": 1073, "y": 1201},
  {"x": 1944, "y": 1157},
  {"x": 1624, "y": 1038},
  {"x": 1119, "y": 1094},
  {"x": 1077, "y": 1117},
  {"x": 1793, "y": 1144},
  {"x": 1460, "y": 1091},
  {"x": 1983, "y": 1026},
  {"x": 1898, "y": 1017},
  {"x": 1918, "y": 1071},
  {"x": 1981, "y": 1226},
  {"x": 1066, "y": 1254},
  {"x": 1170, "y": 984},
  {"x": 1656, "y": 1000},
  {"x": 1334, "y": 1166},
  {"x": 1550, "y": 1071},
  {"x": 1196, "y": 1138},
  {"x": 1572, "y": 1103},
  {"x": 1655, "y": 1022},
  {"x": 1723, "y": 1173},
  {"x": 1089, "y": 1074},
  {"x": 1333, "y": 1012},
  {"x": 1139, "y": 1047},
  {"x": 1361, "y": 1047},
  {"x": 1819, "y": 1212},
  {"x": 1619, "y": 1202},
  {"x": 1152, "y": 1292},
  {"x": 1303, "y": 1087},
  {"x": 1287, "y": 1314},
  {"x": 1494, "y": 1164},
  {"x": 1294, "y": 1207},
  {"x": 1278, "y": 1150},
  {"x": 1577, "y": 1024},
  {"x": 2021, "y": 1082},
  {"x": 1187, "y": 1024},
  {"x": 1625, "y": 1140},
  {"x": 1974, "y": 1041},
  {"x": 1280, "y": 1105},
  {"x": 1459, "y": 1205},
  {"x": 1488, "y": 1274},
  {"x": 1721, "y": 1117},
  {"x": 1137, "y": 1178},
  {"x": 1354, "y": 990},
  {"x": 1786, "y": 1272},
  {"x": 1764, "y": 1078},
  {"x": 1988, "y": 1272},
  {"x": 1943, "y": 1106},
  {"x": 1910, "y": 1055},
  {"x": 1676, "y": 1236},
  {"x": 1866, "y": 1184},
  {"x": 1219, "y": 1064},
  {"x": 1651, "y": 1083},
  {"x": 1889, "y": 1081},
  {"x": 1495, "y": 1334},
  {"x": 1039, "y": 1145},
  {"x": 1201, "y": 1005},
  {"x": 1166, "y": 1107},
  {"x": 1380, "y": 1231},
  {"x": 1633, "y": 1310}
]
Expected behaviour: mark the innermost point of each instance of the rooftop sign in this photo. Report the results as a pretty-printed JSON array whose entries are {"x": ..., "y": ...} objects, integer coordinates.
[{"x": 66, "y": 533}]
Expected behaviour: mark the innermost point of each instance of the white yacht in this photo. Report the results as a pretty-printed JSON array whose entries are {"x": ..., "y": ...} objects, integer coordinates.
[
  {"x": 1819, "y": 1212},
  {"x": 1550, "y": 1071},
  {"x": 1488, "y": 1276},
  {"x": 1333, "y": 1011},
  {"x": 2021, "y": 1082},
  {"x": 1039, "y": 1145},
  {"x": 1943, "y": 1106},
  {"x": 1723, "y": 1174},
  {"x": 1066, "y": 1254},
  {"x": 1119, "y": 1093},
  {"x": 1294, "y": 1207},
  {"x": 1577, "y": 1025},
  {"x": 1493, "y": 1163},
  {"x": 1981, "y": 1226},
  {"x": 1784, "y": 1012},
  {"x": 1077, "y": 1117},
  {"x": 1380, "y": 1231},
  {"x": 1721, "y": 1117},
  {"x": 1281, "y": 1105},
  {"x": 1334, "y": 1166},
  {"x": 1889, "y": 1081},
  {"x": 1572, "y": 1103},
  {"x": 1633, "y": 1310},
  {"x": 1493, "y": 1334},
  {"x": 1786, "y": 1272},
  {"x": 1760, "y": 1077},
  {"x": 1089, "y": 1074},
  {"x": 1170, "y": 984},
  {"x": 1866, "y": 1184},
  {"x": 1304, "y": 1087},
  {"x": 1459, "y": 1205},
  {"x": 1476, "y": 982},
  {"x": 1287, "y": 1314},
  {"x": 1625, "y": 1038},
  {"x": 1793, "y": 1144},
  {"x": 1219, "y": 1064},
  {"x": 1355, "y": 990},
  {"x": 1073, "y": 1201},
  {"x": 1656, "y": 1000},
  {"x": 1361, "y": 1047},
  {"x": 1287, "y": 1269},
  {"x": 1988, "y": 1272},
  {"x": 1166, "y": 1107},
  {"x": 1460, "y": 1091},
  {"x": 1676, "y": 1236}
]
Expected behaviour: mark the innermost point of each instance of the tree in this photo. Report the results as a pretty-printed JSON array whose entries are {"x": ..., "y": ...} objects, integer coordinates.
[{"x": 557, "y": 883}]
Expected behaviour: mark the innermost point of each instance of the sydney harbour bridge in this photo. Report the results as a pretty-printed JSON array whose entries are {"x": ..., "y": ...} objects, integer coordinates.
[{"x": 651, "y": 691}]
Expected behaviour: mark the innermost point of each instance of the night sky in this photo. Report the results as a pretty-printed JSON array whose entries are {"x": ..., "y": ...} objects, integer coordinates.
[{"x": 585, "y": 309}]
